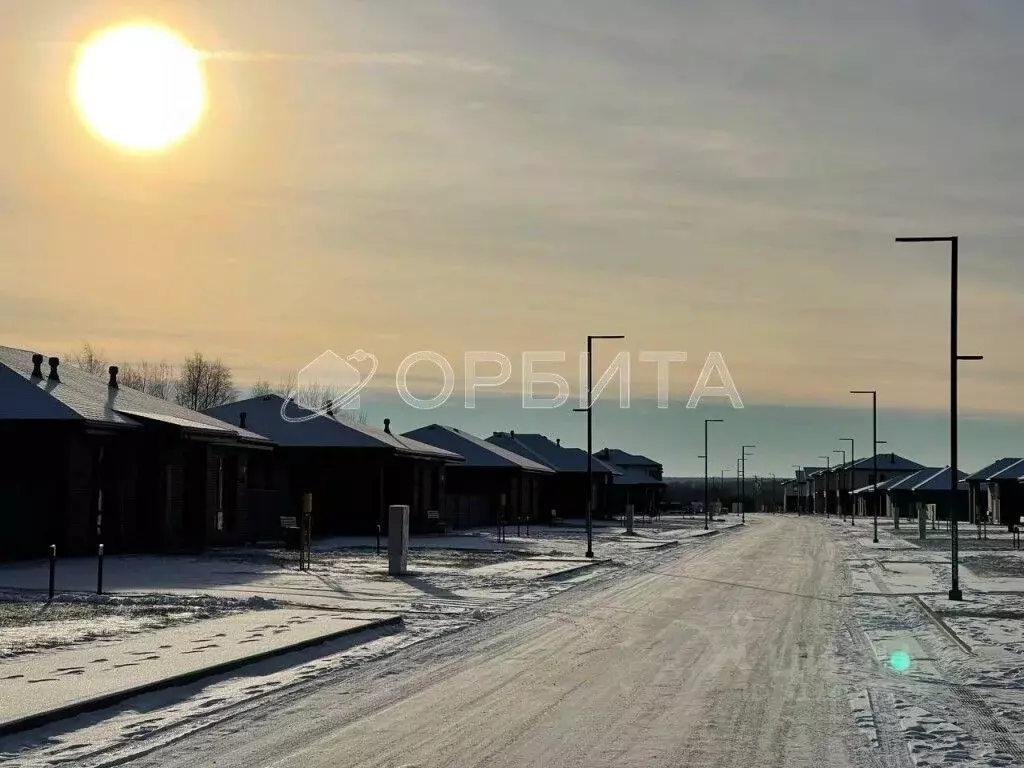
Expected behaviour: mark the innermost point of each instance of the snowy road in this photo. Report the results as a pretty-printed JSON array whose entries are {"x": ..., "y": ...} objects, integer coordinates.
[{"x": 720, "y": 655}]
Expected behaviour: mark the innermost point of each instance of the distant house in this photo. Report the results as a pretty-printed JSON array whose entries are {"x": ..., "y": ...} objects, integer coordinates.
[
  {"x": 639, "y": 482},
  {"x": 928, "y": 487},
  {"x": 997, "y": 492},
  {"x": 354, "y": 471},
  {"x": 88, "y": 461},
  {"x": 796, "y": 493},
  {"x": 565, "y": 492},
  {"x": 491, "y": 483},
  {"x": 833, "y": 488}
]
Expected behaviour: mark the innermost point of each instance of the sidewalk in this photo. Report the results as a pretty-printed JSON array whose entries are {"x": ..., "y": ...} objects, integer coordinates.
[{"x": 44, "y": 687}]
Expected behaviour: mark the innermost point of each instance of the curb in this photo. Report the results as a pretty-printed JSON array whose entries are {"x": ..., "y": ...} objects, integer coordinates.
[
  {"x": 106, "y": 700},
  {"x": 571, "y": 571},
  {"x": 943, "y": 626}
]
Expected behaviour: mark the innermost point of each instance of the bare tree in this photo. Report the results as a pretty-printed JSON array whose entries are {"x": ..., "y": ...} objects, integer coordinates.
[
  {"x": 156, "y": 379},
  {"x": 314, "y": 396},
  {"x": 88, "y": 359},
  {"x": 261, "y": 388},
  {"x": 203, "y": 383}
]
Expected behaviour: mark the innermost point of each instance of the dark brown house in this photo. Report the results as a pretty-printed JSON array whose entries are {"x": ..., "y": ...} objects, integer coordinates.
[
  {"x": 492, "y": 483},
  {"x": 87, "y": 461},
  {"x": 639, "y": 482},
  {"x": 354, "y": 471},
  {"x": 565, "y": 491}
]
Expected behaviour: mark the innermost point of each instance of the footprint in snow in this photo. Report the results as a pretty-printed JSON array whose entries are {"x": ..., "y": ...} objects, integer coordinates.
[{"x": 165, "y": 647}]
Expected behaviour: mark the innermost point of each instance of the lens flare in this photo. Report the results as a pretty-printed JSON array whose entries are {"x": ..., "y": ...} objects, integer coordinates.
[{"x": 899, "y": 660}]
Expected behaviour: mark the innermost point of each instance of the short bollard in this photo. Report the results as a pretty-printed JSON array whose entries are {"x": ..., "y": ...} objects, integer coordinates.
[
  {"x": 99, "y": 572},
  {"x": 53, "y": 567},
  {"x": 378, "y": 539}
]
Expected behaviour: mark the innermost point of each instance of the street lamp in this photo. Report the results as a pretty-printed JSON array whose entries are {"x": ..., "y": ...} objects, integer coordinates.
[
  {"x": 839, "y": 481},
  {"x": 743, "y": 481},
  {"x": 874, "y": 458},
  {"x": 828, "y": 471},
  {"x": 772, "y": 475},
  {"x": 803, "y": 484},
  {"x": 853, "y": 475},
  {"x": 954, "y": 358},
  {"x": 706, "y": 502},
  {"x": 590, "y": 439}
]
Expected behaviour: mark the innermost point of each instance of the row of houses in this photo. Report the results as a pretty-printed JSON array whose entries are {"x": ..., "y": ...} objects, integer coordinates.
[
  {"x": 89, "y": 461},
  {"x": 992, "y": 494}
]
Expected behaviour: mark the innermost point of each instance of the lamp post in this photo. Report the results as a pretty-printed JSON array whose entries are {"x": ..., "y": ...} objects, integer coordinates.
[
  {"x": 853, "y": 475},
  {"x": 874, "y": 458},
  {"x": 839, "y": 480},
  {"x": 590, "y": 439},
  {"x": 828, "y": 471},
  {"x": 796, "y": 476},
  {"x": 954, "y": 358},
  {"x": 706, "y": 502},
  {"x": 743, "y": 481},
  {"x": 772, "y": 475}
]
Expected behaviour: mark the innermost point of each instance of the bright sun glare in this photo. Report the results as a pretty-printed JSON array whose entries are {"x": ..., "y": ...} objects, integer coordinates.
[{"x": 139, "y": 86}]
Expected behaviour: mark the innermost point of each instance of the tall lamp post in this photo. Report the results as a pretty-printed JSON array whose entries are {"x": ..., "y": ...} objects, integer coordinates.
[
  {"x": 590, "y": 439},
  {"x": 853, "y": 475},
  {"x": 828, "y": 472},
  {"x": 772, "y": 475},
  {"x": 839, "y": 480},
  {"x": 796, "y": 476},
  {"x": 954, "y": 358},
  {"x": 874, "y": 458},
  {"x": 743, "y": 481},
  {"x": 707, "y": 506}
]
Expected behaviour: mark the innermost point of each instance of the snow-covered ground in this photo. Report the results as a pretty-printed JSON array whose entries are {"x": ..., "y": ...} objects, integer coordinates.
[
  {"x": 454, "y": 582},
  {"x": 945, "y": 680}
]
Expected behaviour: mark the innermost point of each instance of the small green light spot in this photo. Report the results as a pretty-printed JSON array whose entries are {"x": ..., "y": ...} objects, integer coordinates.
[{"x": 899, "y": 660}]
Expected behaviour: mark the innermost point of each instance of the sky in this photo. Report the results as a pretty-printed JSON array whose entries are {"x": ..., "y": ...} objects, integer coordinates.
[{"x": 454, "y": 175}]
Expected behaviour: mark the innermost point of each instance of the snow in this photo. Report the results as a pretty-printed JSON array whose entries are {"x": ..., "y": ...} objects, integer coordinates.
[
  {"x": 40, "y": 682},
  {"x": 449, "y": 589},
  {"x": 961, "y": 702}
]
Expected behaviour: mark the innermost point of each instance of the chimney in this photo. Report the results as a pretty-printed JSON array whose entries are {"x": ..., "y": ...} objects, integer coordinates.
[
  {"x": 387, "y": 426},
  {"x": 241, "y": 419},
  {"x": 113, "y": 377},
  {"x": 512, "y": 434},
  {"x": 892, "y": 458},
  {"x": 558, "y": 442},
  {"x": 328, "y": 408},
  {"x": 54, "y": 362},
  {"x": 37, "y": 366}
]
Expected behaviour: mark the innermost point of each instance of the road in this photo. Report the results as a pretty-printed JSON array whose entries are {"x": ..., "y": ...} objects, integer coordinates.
[{"x": 716, "y": 656}]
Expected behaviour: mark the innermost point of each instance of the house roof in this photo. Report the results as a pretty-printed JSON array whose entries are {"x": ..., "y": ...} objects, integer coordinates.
[
  {"x": 625, "y": 459},
  {"x": 634, "y": 476},
  {"x": 82, "y": 396},
  {"x": 305, "y": 429},
  {"x": 1009, "y": 468},
  {"x": 475, "y": 450},
  {"x": 883, "y": 485},
  {"x": 544, "y": 451},
  {"x": 937, "y": 480}
]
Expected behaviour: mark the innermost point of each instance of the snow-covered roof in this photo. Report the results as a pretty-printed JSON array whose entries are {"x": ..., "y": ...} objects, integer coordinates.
[
  {"x": 937, "y": 480},
  {"x": 540, "y": 449},
  {"x": 305, "y": 429},
  {"x": 1010, "y": 468},
  {"x": 622, "y": 458},
  {"x": 634, "y": 476},
  {"x": 475, "y": 450},
  {"x": 80, "y": 396}
]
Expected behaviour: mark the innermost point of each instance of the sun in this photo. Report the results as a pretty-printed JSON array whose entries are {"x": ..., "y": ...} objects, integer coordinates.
[{"x": 139, "y": 86}]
